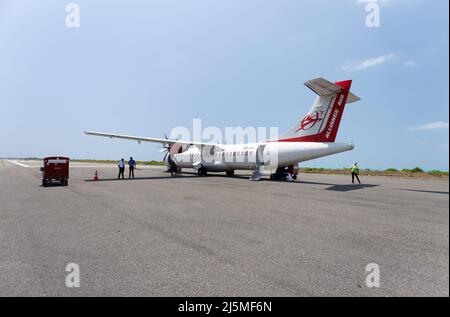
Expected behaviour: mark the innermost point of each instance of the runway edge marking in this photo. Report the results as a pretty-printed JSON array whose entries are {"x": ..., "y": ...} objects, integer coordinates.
[{"x": 17, "y": 163}]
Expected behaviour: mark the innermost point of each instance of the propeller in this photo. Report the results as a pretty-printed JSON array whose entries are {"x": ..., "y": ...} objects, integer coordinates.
[{"x": 165, "y": 148}]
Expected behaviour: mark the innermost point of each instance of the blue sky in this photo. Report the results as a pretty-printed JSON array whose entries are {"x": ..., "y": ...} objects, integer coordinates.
[{"x": 144, "y": 67}]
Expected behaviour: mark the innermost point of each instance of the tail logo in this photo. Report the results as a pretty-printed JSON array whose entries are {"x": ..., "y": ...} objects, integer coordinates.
[{"x": 310, "y": 121}]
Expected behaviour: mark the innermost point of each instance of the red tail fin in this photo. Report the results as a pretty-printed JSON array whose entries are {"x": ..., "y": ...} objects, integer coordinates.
[
  {"x": 330, "y": 132},
  {"x": 322, "y": 122}
]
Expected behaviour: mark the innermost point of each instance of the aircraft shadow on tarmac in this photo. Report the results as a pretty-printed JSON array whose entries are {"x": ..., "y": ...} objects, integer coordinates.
[
  {"x": 424, "y": 191},
  {"x": 332, "y": 187},
  {"x": 341, "y": 187}
]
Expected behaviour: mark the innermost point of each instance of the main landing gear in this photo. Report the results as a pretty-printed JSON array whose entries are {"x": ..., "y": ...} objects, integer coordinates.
[
  {"x": 230, "y": 173},
  {"x": 283, "y": 174}
]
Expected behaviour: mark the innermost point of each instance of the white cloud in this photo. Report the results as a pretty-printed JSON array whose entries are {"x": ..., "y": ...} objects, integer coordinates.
[
  {"x": 370, "y": 62},
  {"x": 438, "y": 125},
  {"x": 409, "y": 64}
]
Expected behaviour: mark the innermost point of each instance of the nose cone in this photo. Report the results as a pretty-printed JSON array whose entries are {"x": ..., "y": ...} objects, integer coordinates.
[{"x": 351, "y": 145}]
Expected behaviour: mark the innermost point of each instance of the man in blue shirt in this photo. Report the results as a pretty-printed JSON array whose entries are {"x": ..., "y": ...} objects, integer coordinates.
[{"x": 131, "y": 166}]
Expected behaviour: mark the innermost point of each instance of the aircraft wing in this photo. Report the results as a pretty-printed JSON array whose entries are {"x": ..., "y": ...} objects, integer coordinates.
[{"x": 140, "y": 139}]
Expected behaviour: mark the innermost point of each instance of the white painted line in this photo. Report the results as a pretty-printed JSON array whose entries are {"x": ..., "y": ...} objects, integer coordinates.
[
  {"x": 80, "y": 165},
  {"x": 17, "y": 163},
  {"x": 94, "y": 166}
]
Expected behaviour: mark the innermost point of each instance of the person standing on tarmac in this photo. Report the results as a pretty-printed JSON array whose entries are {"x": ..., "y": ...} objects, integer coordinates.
[
  {"x": 121, "y": 166},
  {"x": 131, "y": 167},
  {"x": 355, "y": 171}
]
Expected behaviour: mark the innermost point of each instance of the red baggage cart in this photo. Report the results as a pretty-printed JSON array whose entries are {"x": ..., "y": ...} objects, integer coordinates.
[{"x": 56, "y": 168}]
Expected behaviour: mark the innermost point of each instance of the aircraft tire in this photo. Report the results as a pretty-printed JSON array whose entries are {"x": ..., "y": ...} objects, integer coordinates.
[{"x": 202, "y": 172}]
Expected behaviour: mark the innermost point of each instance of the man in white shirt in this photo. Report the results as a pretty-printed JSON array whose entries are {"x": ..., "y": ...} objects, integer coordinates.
[{"x": 121, "y": 166}]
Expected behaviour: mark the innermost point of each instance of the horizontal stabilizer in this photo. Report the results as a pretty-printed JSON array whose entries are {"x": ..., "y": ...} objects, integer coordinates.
[
  {"x": 325, "y": 88},
  {"x": 352, "y": 98}
]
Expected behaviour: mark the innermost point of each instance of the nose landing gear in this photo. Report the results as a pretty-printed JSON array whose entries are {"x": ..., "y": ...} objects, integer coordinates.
[{"x": 202, "y": 171}]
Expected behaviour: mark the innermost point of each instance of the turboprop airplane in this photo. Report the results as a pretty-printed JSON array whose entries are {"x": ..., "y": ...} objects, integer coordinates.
[{"x": 313, "y": 137}]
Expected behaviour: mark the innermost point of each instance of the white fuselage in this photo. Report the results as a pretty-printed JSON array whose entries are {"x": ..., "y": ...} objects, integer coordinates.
[{"x": 247, "y": 156}]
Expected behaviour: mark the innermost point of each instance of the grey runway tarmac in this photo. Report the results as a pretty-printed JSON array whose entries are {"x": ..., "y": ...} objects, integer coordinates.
[{"x": 220, "y": 236}]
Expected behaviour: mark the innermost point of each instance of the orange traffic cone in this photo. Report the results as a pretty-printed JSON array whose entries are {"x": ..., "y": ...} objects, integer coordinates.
[{"x": 96, "y": 176}]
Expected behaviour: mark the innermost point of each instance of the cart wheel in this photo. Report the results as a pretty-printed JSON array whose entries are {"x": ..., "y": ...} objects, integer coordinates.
[
  {"x": 66, "y": 182},
  {"x": 44, "y": 183}
]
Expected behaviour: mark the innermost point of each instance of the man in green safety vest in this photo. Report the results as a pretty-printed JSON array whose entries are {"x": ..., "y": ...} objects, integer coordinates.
[{"x": 355, "y": 171}]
